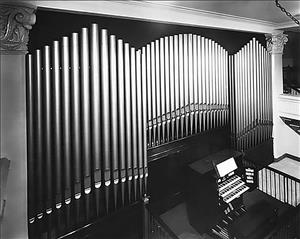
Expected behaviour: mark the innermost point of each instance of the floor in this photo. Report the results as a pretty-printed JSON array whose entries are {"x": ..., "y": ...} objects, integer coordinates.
[{"x": 177, "y": 220}]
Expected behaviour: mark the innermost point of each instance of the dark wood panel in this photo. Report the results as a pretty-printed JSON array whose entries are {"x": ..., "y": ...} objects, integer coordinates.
[
  {"x": 167, "y": 163},
  {"x": 126, "y": 223},
  {"x": 261, "y": 155}
]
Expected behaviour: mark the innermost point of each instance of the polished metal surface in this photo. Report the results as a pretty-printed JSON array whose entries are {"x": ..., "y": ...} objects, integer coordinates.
[
  {"x": 48, "y": 124},
  {"x": 186, "y": 87},
  {"x": 30, "y": 138},
  {"x": 75, "y": 115},
  {"x": 57, "y": 123},
  {"x": 85, "y": 107},
  {"x": 87, "y": 111},
  {"x": 95, "y": 105},
  {"x": 66, "y": 115},
  {"x": 250, "y": 94}
]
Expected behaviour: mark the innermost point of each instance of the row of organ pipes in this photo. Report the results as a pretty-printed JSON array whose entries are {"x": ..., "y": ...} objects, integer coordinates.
[
  {"x": 187, "y": 86},
  {"x": 86, "y": 123},
  {"x": 95, "y": 105},
  {"x": 251, "y": 98}
]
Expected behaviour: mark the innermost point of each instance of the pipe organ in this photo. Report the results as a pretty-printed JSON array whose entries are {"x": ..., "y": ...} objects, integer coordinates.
[
  {"x": 250, "y": 96},
  {"x": 95, "y": 104}
]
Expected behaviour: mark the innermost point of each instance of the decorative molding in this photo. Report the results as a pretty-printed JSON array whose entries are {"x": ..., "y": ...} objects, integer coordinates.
[
  {"x": 289, "y": 106},
  {"x": 276, "y": 42},
  {"x": 15, "y": 23}
]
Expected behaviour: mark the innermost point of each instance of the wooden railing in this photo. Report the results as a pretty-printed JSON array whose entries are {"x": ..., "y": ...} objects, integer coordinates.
[{"x": 279, "y": 185}]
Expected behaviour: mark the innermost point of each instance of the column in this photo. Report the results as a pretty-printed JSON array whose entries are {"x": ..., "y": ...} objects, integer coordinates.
[
  {"x": 275, "y": 45},
  {"x": 16, "y": 21}
]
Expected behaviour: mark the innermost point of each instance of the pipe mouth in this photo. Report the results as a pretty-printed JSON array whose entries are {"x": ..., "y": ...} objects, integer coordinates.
[
  {"x": 40, "y": 215},
  {"x": 68, "y": 201},
  {"x": 116, "y": 181},
  {"x": 123, "y": 180},
  {"x": 107, "y": 183},
  {"x": 98, "y": 185},
  {"x": 77, "y": 196},
  {"x": 130, "y": 178},
  {"x": 31, "y": 220},
  {"x": 87, "y": 190},
  {"x": 49, "y": 210},
  {"x": 58, "y": 205}
]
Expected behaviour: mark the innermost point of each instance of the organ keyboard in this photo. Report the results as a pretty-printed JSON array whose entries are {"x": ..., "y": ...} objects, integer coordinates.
[{"x": 230, "y": 185}]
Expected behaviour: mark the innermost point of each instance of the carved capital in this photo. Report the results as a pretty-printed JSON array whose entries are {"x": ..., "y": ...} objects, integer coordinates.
[
  {"x": 276, "y": 42},
  {"x": 15, "y": 23}
]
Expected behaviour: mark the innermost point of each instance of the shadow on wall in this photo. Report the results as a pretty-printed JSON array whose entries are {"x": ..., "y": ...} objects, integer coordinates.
[
  {"x": 51, "y": 25},
  {"x": 291, "y": 60}
]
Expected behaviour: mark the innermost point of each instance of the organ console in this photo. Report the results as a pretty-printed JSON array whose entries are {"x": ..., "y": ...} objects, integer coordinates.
[{"x": 215, "y": 186}]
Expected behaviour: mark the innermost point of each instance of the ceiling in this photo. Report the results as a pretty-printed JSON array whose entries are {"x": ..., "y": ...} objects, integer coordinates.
[{"x": 259, "y": 10}]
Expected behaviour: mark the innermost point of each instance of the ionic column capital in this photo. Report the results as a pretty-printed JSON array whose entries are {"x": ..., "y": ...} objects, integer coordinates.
[
  {"x": 276, "y": 42},
  {"x": 15, "y": 23}
]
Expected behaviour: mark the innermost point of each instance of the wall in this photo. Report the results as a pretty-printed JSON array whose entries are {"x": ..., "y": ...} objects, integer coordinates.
[
  {"x": 53, "y": 25},
  {"x": 13, "y": 144},
  {"x": 291, "y": 57},
  {"x": 287, "y": 140}
]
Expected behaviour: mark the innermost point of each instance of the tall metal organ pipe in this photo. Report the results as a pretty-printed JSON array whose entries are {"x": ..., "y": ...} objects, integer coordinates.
[
  {"x": 66, "y": 113},
  {"x": 95, "y": 105},
  {"x": 48, "y": 125},
  {"x": 75, "y": 115}
]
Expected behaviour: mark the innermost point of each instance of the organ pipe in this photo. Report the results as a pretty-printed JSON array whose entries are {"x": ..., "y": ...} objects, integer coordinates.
[
  {"x": 30, "y": 138},
  {"x": 139, "y": 124},
  {"x": 134, "y": 129},
  {"x": 144, "y": 121},
  {"x": 105, "y": 118},
  {"x": 172, "y": 83},
  {"x": 95, "y": 103},
  {"x": 85, "y": 104},
  {"x": 121, "y": 110},
  {"x": 76, "y": 116},
  {"x": 57, "y": 124},
  {"x": 122, "y": 116},
  {"x": 48, "y": 124},
  {"x": 113, "y": 108},
  {"x": 128, "y": 111},
  {"x": 66, "y": 118},
  {"x": 176, "y": 86}
]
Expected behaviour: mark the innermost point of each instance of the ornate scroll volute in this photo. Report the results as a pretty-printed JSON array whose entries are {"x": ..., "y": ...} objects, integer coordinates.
[
  {"x": 15, "y": 23},
  {"x": 276, "y": 42}
]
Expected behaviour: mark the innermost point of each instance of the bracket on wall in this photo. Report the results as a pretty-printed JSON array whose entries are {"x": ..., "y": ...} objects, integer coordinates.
[{"x": 292, "y": 123}]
